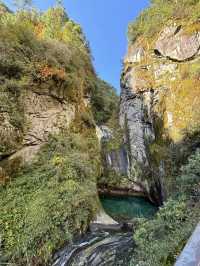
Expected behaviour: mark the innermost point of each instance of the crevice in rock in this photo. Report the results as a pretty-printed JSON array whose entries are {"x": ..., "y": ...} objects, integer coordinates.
[
  {"x": 186, "y": 60},
  {"x": 157, "y": 53},
  {"x": 178, "y": 29},
  {"x": 6, "y": 155}
]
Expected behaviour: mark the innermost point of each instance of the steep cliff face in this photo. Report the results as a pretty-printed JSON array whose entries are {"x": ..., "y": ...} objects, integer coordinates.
[
  {"x": 160, "y": 103},
  {"x": 44, "y": 114},
  {"x": 46, "y": 82},
  {"x": 50, "y": 102},
  {"x": 116, "y": 158}
]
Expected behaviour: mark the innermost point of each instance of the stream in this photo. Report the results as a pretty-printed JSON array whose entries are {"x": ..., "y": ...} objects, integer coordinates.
[{"x": 107, "y": 247}]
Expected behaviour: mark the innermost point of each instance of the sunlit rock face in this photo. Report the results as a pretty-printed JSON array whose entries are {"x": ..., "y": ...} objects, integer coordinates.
[
  {"x": 43, "y": 114},
  {"x": 175, "y": 44},
  {"x": 160, "y": 103},
  {"x": 104, "y": 133}
]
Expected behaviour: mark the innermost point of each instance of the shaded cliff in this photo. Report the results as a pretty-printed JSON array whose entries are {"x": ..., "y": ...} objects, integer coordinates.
[{"x": 160, "y": 89}]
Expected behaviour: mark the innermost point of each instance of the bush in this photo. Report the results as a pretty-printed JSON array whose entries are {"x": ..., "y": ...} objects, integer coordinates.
[
  {"x": 188, "y": 182},
  {"x": 50, "y": 201},
  {"x": 104, "y": 102},
  {"x": 160, "y": 241}
]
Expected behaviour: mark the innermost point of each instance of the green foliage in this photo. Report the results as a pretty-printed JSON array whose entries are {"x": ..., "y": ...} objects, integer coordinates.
[
  {"x": 104, "y": 102},
  {"x": 39, "y": 47},
  {"x": 44, "y": 51},
  {"x": 159, "y": 241},
  {"x": 49, "y": 46},
  {"x": 112, "y": 179},
  {"x": 49, "y": 201},
  {"x": 147, "y": 23},
  {"x": 159, "y": 13},
  {"x": 188, "y": 182},
  {"x": 54, "y": 20}
]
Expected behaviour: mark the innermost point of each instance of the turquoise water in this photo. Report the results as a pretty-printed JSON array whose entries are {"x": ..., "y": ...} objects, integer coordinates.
[{"x": 127, "y": 208}]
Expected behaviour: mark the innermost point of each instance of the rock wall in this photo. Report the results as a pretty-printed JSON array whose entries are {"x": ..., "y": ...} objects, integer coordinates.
[
  {"x": 45, "y": 113},
  {"x": 160, "y": 103},
  {"x": 115, "y": 159}
]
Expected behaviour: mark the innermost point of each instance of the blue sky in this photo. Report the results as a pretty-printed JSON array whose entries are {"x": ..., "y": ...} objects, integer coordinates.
[{"x": 105, "y": 24}]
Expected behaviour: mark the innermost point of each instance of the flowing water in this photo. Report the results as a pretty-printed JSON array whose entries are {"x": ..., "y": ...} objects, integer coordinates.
[{"x": 105, "y": 247}]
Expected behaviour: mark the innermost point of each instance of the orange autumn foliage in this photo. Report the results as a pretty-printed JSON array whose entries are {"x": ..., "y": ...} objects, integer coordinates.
[
  {"x": 39, "y": 30},
  {"x": 48, "y": 72}
]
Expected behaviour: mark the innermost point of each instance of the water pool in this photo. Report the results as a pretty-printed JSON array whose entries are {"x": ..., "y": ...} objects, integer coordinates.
[{"x": 127, "y": 208}]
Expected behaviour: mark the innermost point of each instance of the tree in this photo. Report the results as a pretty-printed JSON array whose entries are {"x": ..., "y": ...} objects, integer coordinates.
[{"x": 22, "y": 4}]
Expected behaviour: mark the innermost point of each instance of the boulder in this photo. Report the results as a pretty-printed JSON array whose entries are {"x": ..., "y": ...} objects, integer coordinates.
[
  {"x": 177, "y": 45},
  {"x": 135, "y": 54}
]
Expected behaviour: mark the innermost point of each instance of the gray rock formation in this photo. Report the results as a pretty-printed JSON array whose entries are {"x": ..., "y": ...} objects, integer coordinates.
[
  {"x": 136, "y": 118},
  {"x": 156, "y": 90},
  {"x": 104, "y": 133},
  {"x": 175, "y": 44},
  {"x": 44, "y": 114},
  {"x": 118, "y": 161}
]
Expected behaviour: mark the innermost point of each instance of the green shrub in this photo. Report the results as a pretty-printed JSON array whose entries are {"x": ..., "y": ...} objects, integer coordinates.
[
  {"x": 104, "y": 102},
  {"x": 188, "y": 181},
  {"x": 160, "y": 241},
  {"x": 49, "y": 201}
]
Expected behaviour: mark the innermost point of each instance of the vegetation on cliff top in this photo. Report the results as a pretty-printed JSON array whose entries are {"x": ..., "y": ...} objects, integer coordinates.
[
  {"x": 38, "y": 56},
  {"x": 151, "y": 20},
  {"x": 47, "y": 51}
]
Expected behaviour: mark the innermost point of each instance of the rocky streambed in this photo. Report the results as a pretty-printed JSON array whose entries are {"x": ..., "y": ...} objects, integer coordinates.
[
  {"x": 98, "y": 248},
  {"x": 109, "y": 242}
]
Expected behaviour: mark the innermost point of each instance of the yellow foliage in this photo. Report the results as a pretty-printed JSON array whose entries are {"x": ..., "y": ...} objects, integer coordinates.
[
  {"x": 192, "y": 28},
  {"x": 183, "y": 105}
]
